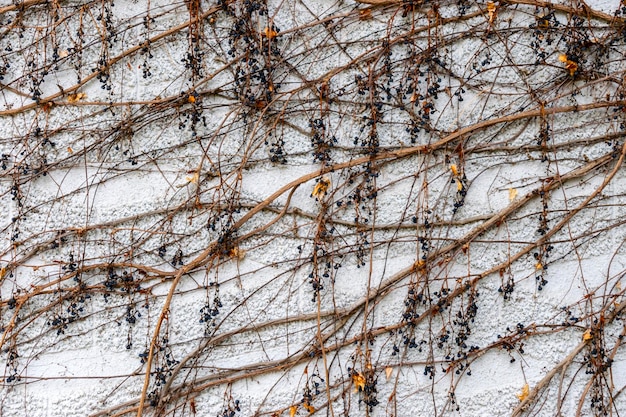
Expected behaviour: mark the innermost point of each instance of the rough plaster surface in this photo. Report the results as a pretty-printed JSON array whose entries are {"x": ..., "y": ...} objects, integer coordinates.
[{"x": 109, "y": 190}]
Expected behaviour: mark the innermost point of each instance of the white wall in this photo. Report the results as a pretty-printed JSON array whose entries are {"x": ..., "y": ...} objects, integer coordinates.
[{"x": 138, "y": 191}]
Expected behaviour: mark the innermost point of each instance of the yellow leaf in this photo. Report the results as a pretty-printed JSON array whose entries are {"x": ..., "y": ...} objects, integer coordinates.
[
  {"x": 388, "y": 372},
  {"x": 524, "y": 394},
  {"x": 75, "y": 98},
  {"x": 539, "y": 266},
  {"x": 459, "y": 185},
  {"x": 321, "y": 188},
  {"x": 587, "y": 335},
  {"x": 193, "y": 179},
  {"x": 563, "y": 58},
  {"x": 359, "y": 382},
  {"x": 454, "y": 169},
  {"x": 512, "y": 194},
  {"x": 309, "y": 407},
  {"x": 292, "y": 410}
]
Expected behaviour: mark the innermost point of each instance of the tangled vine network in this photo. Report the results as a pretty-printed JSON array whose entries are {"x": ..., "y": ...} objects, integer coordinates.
[{"x": 289, "y": 208}]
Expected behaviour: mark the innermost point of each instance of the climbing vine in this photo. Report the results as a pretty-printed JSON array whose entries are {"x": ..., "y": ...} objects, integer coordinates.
[{"x": 373, "y": 207}]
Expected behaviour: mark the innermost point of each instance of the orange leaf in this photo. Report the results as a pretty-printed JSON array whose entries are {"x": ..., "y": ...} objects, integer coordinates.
[
  {"x": 359, "y": 382},
  {"x": 292, "y": 410},
  {"x": 237, "y": 253},
  {"x": 309, "y": 407},
  {"x": 491, "y": 9},
  {"x": 543, "y": 22},
  {"x": 270, "y": 33},
  {"x": 454, "y": 169},
  {"x": 587, "y": 335},
  {"x": 191, "y": 98},
  {"x": 570, "y": 65},
  {"x": 321, "y": 188}
]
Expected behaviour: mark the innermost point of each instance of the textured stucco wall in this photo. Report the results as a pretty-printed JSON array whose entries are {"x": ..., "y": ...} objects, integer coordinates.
[{"x": 423, "y": 201}]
